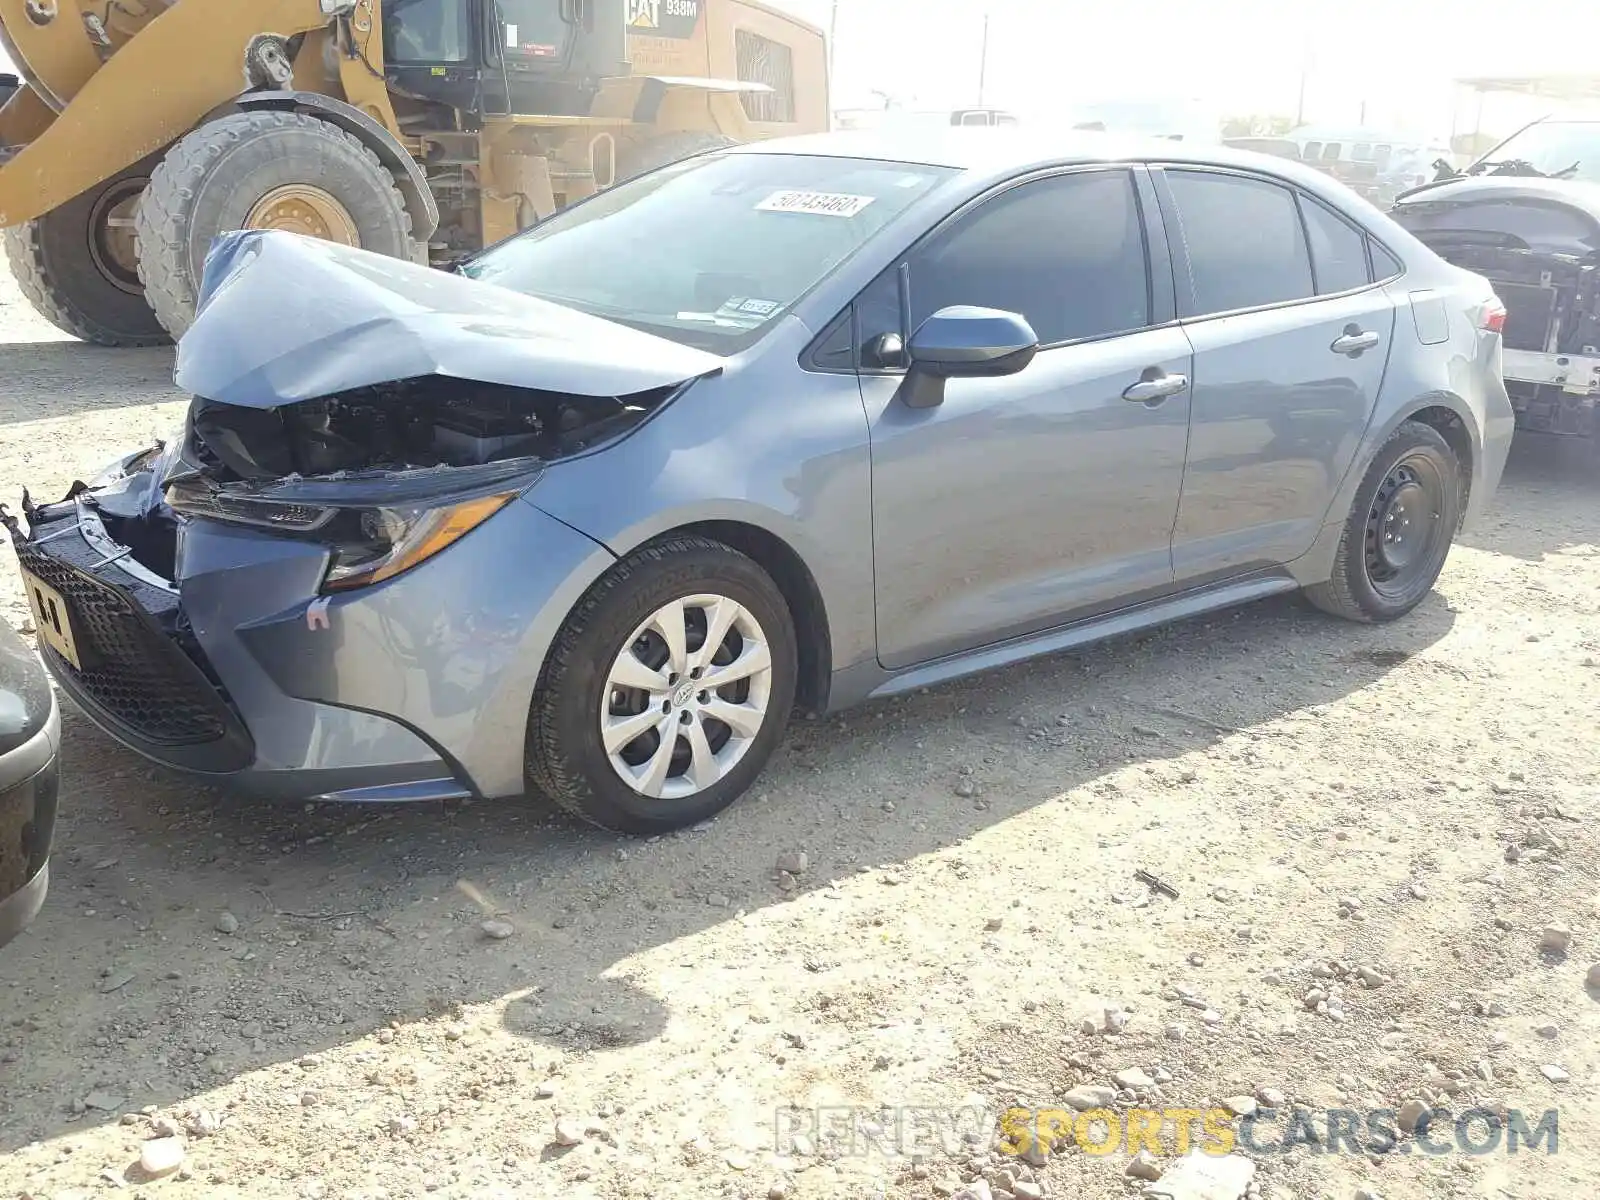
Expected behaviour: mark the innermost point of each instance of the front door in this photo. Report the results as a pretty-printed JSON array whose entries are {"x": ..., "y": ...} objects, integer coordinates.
[
  {"x": 1023, "y": 502},
  {"x": 1291, "y": 339}
]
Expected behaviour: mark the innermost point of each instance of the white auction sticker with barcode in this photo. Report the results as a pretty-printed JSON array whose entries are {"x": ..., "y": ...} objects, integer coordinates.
[{"x": 822, "y": 204}]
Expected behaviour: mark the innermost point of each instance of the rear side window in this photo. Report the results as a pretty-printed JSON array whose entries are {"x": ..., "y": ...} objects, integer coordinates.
[
  {"x": 1338, "y": 249},
  {"x": 1066, "y": 252},
  {"x": 1245, "y": 243},
  {"x": 1385, "y": 266}
]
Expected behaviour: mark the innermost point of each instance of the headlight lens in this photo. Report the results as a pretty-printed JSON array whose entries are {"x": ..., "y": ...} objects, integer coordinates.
[
  {"x": 369, "y": 544},
  {"x": 374, "y": 544},
  {"x": 195, "y": 497}
]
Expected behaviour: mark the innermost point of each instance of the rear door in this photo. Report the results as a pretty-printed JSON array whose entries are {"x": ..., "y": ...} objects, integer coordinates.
[{"x": 1291, "y": 339}]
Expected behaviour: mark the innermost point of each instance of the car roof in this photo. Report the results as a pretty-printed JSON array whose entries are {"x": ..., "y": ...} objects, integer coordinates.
[{"x": 1000, "y": 152}]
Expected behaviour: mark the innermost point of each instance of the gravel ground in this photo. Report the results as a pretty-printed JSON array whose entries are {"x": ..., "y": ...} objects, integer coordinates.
[{"x": 1368, "y": 830}]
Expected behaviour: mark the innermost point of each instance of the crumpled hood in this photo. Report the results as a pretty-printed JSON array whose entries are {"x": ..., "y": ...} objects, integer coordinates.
[{"x": 284, "y": 318}]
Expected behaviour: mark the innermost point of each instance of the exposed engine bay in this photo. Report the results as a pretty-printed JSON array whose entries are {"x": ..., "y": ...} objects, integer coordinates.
[
  {"x": 1536, "y": 238},
  {"x": 377, "y": 408},
  {"x": 411, "y": 424}
]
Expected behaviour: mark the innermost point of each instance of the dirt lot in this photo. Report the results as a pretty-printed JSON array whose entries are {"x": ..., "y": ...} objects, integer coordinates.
[{"x": 306, "y": 996}]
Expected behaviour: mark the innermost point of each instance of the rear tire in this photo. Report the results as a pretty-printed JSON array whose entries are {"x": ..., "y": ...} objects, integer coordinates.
[
  {"x": 78, "y": 270},
  {"x": 1399, "y": 531},
  {"x": 214, "y": 177},
  {"x": 600, "y": 672},
  {"x": 638, "y": 158}
]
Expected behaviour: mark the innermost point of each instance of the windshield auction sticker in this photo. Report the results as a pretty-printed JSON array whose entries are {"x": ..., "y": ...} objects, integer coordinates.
[{"x": 821, "y": 204}]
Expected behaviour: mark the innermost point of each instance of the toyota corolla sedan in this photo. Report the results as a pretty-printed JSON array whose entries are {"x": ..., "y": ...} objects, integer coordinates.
[{"x": 802, "y": 423}]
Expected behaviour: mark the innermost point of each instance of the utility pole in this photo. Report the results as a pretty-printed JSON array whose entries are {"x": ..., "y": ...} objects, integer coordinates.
[
  {"x": 983, "y": 58},
  {"x": 833, "y": 37},
  {"x": 1305, "y": 72}
]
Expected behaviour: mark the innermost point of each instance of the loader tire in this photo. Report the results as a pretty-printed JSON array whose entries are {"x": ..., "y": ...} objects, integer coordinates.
[
  {"x": 78, "y": 270},
  {"x": 637, "y": 158},
  {"x": 218, "y": 177}
]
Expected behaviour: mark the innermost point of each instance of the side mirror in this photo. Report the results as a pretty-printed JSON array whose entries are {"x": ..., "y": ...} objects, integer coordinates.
[{"x": 963, "y": 342}]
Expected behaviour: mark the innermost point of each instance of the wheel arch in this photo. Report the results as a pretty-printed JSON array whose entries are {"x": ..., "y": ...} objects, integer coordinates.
[
  {"x": 1451, "y": 420},
  {"x": 1445, "y": 411},
  {"x": 408, "y": 175},
  {"x": 776, "y": 556}
]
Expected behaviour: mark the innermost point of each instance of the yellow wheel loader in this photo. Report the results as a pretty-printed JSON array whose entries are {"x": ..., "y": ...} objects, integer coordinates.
[{"x": 421, "y": 129}]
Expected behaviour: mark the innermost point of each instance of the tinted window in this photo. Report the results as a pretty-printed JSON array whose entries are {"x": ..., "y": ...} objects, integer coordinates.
[
  {"x": 1067, "y": 253},
  {"x": 878, "y": 319},
  {"x": 429, "y": 31},
  {"x": 1384, "y": 264},
  {"x": 1338, "y": 249},
  {"x": 1244, "y": 239}
]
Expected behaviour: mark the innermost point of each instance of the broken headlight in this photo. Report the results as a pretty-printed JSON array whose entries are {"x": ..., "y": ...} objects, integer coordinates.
[
  {"x": 195, "y": 498},
  {"x": 373, "y": 544},
  {"x": 369, "y": 543}
]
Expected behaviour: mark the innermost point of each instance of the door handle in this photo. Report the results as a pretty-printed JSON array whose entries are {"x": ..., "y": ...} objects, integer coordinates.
[
  {"x": 1155, "y": 387},
  {"x": 1353, "y": 341}
]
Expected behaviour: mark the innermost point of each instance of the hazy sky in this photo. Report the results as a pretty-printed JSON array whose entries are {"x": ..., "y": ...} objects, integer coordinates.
[{"x": 1242, "y": 56}]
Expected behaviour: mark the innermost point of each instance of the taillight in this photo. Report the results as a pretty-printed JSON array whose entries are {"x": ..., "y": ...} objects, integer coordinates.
[{"x": 1492, "y": 316}]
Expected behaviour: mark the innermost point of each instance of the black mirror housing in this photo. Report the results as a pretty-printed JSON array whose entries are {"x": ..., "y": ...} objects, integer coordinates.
[{"x": 967, "y": 342}]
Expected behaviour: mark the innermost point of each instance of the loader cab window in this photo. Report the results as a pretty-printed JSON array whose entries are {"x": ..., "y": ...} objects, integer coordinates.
[
  {"x": 533, "y": 32},
  {"x": 426, "y": 32}
]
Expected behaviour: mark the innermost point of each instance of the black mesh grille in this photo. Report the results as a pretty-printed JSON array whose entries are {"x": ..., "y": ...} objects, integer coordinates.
[{"x": 135, "y": 673}]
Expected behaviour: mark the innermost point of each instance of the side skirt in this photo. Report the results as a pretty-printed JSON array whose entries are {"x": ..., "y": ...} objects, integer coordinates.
[{"x": 869, "y": 681}]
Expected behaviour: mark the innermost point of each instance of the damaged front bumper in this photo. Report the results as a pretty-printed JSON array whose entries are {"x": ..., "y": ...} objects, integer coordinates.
[
  {"x": 239, "y": 669},
  {"x": 119, "y": 641}
]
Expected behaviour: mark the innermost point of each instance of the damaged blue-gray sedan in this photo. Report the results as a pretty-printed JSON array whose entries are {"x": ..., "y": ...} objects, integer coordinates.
[{"x": 802, "y": 423}]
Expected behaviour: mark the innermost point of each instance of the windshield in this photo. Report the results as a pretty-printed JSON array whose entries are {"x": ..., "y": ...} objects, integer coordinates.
[
  {"x": 709, "y": 252},
  {"x": 1551, "y": 148}
]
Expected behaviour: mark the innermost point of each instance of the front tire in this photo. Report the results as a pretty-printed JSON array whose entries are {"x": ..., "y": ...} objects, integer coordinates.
[
  {"x": 1399, "y": 530},
  {"x": 667, "y": 690},
  {"x": 260, "y": 170},
  {"x": 78, "y": 268}
]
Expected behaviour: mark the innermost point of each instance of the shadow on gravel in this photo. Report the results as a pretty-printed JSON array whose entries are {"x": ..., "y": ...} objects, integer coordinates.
[
  {"x": 350, "y": 918},
  {"x": 62, "y": 379}
]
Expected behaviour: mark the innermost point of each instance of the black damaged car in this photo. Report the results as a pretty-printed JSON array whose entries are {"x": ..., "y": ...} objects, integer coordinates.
[{"x": 30, "y": 740}]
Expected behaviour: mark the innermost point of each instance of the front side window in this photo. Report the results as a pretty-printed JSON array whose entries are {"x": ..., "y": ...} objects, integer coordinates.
[
  {"x": 1244, "y": 240},
  {"x": 1066, "y": 252},
  {"x": 1338, "y": 249},
  {"x": 710, "y": 251}
]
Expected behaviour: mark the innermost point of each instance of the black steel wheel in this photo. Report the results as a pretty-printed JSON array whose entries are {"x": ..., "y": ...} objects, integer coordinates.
[{"x": 1399, "y": 530}]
